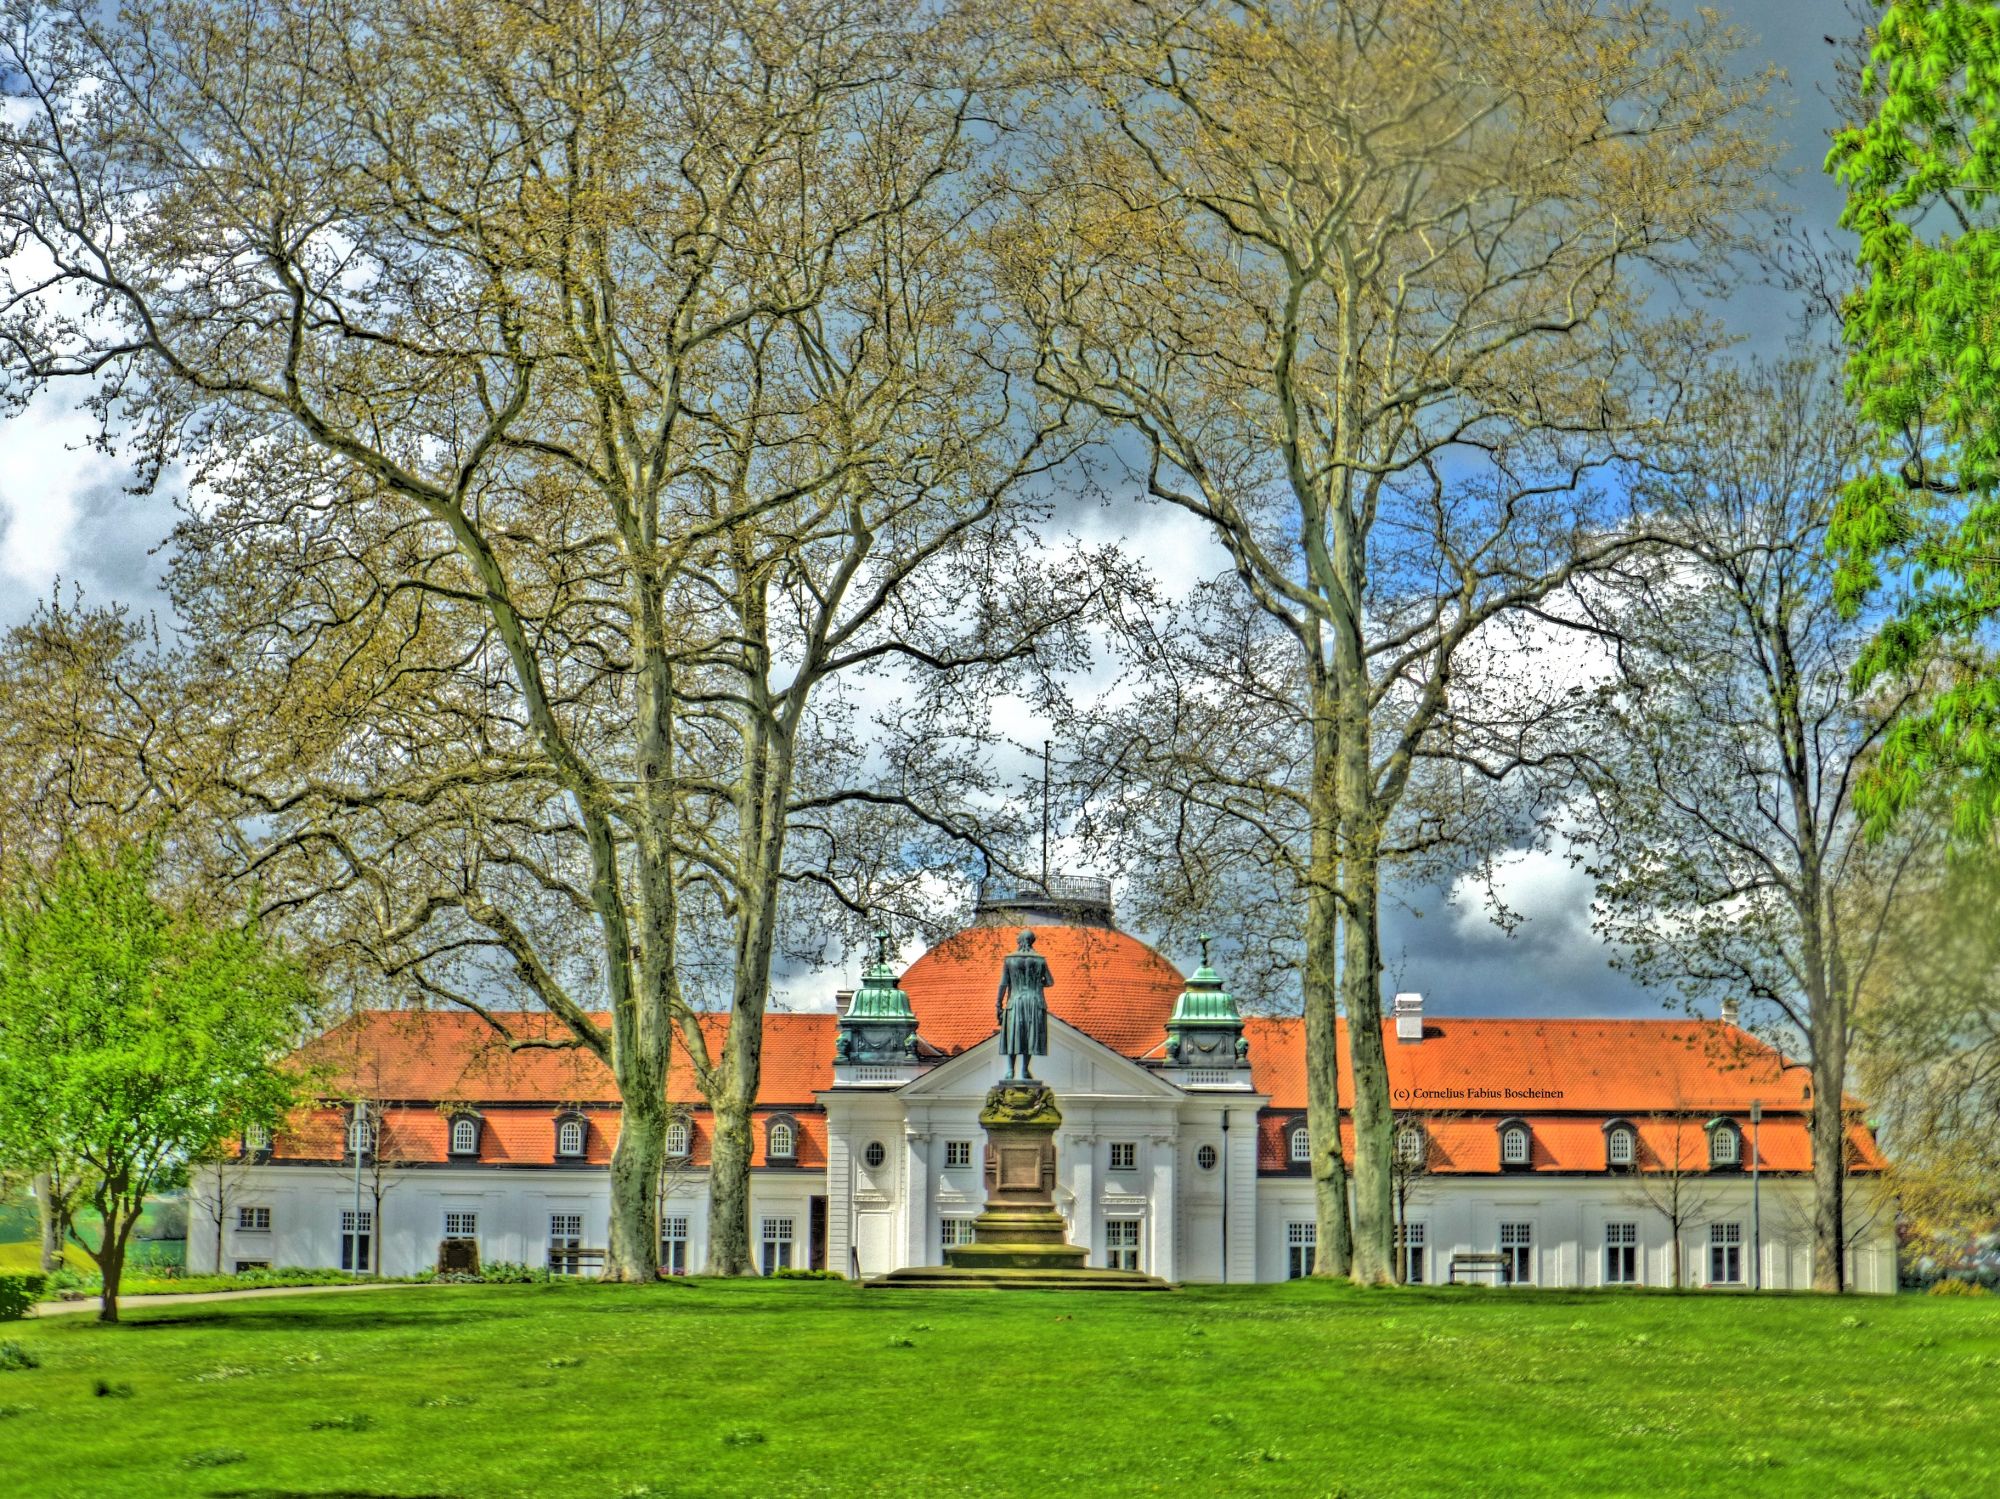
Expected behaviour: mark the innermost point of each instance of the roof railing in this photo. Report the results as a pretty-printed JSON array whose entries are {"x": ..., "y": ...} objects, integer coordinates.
[{"x": 1056, "y": 890}]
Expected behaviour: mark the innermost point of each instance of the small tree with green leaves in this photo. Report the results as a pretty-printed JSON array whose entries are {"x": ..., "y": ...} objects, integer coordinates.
[
  {"x": 134, "y": 1037},
  {"x": 1918, "y": 523}
]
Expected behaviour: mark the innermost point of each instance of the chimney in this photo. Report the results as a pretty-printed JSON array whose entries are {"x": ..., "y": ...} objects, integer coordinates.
[
  {"x": 843, "y": 1001},
  {"x": 1409, "y": 1012},
  {"x": 1731, "y": 1011}
]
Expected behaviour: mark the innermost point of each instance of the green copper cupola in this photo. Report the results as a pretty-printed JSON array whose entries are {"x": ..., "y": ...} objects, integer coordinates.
[
  {"x": 878, "y": 1026},
  {"x": 1206, "y": 1031}
]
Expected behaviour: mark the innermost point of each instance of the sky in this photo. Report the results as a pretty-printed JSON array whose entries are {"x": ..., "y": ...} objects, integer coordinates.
[{"x": 66, "y": 513}]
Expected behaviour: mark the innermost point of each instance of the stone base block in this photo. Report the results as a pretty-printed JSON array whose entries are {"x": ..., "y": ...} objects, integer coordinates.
[{"x": 965, "y": 1278}]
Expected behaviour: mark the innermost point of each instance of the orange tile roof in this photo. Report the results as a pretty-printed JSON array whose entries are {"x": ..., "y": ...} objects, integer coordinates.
[
  {"x": 453, "y": 1055},
  {"x": 1469, "y": 1144},
  {"x": 1106, "y": 984},
  {"x": 1594, "y": 1066},
  {"x": 413, "y": 1134}
]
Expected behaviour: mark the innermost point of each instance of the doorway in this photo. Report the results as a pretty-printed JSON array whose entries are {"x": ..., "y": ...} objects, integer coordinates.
[{"x": 816, "y": 1232}]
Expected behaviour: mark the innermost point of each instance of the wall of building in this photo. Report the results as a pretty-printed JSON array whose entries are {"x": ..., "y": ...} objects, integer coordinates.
[
  {"x": 1567, "y": 1217},
  {"x": 513, "y": 1209}
]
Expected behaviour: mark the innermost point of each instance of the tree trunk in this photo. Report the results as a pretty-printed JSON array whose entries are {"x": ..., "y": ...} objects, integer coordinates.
[
  {"x": 1829, "y": 1157},
  {"x": 729, "y": 1191},
  {"x": 1334, "y": 1238},
  {"x": 1679, "y": 1269},
  {"x": 51, "y": 1223},
  {"x": 111, "y": 1258},
  {"x": 633, "y": 1253},
  {"x": 1361, "y": 992}
]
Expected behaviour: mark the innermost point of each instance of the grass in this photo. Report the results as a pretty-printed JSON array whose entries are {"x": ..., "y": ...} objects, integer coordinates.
[{"x": 806, "y": 1389}]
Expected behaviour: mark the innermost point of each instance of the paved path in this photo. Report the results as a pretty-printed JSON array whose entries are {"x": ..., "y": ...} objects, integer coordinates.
[{"x": 139, "y": 1303}]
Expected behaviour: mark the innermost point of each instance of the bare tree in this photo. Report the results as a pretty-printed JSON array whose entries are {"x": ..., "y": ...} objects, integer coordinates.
[
  {"x": 1670, "y": 1175},
  {"x": 1721, "y": 764},
  {"x": 1365, "y": 288},
  {"x": 214, "y": 1184},
  {"x": 1414, "y": 1162},
  {"x": 576, "y": 390}
]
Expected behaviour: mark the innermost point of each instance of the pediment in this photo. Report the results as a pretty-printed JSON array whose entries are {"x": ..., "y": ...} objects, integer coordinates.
[{"x": 1076, "y": 1067}]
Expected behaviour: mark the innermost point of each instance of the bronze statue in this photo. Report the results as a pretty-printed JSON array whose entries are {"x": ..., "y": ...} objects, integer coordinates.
[{"x": 1021, "y": 1009}]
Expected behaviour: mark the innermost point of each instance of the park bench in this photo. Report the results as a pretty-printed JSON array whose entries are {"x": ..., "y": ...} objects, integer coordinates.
[
  {"x": 1479, "y": 1264},
  {"x": 577, "y": 1261}
]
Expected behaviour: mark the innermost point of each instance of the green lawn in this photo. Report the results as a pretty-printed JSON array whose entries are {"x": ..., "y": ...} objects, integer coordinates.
[{"x": 814, "y": 1388}]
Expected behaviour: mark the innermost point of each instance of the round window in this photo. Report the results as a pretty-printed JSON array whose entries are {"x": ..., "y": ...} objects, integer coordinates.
[
  {"x": 1206, "y": 1158},
  {"x": 875, "y": 1154}
]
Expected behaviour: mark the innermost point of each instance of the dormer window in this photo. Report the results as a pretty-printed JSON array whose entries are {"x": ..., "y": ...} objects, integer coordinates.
[
  {"x": 464, "y": 1135},
  {"x": 1621, "y": 1146},
  {"x": 781, "y": 1140},
  {"x": 679, "y": 1140},
  {"x": 1299, "y": 1147},
  {"x": 1515, "y": 1150},
  {"x": 571, "y": 1133},
  {"x": 256, "y": 1140},
  {"x": 1411, "y": 1146},
  {"x": 1725, "y": 1145}
]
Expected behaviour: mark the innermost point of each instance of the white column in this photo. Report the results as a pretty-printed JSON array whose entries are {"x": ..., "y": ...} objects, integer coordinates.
[
  {"x": 1243, "y": 1203},
  {"x": 1078, "y": 1161},
  {"x": 917, "y": 1237},
  {"x": 1165, "y": 1210}
]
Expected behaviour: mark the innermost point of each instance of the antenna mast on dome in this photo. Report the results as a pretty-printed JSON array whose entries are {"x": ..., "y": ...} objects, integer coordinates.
[{"x": 1045, "y": 814}]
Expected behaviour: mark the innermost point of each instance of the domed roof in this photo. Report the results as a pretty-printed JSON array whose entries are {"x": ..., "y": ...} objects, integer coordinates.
[{"x": 1111, "y": 987}]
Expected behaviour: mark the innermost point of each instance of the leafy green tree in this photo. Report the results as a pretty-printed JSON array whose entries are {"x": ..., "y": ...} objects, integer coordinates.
[
  {"x": 1921, "y": 520},
  {"x": 133, "y": 1037}
]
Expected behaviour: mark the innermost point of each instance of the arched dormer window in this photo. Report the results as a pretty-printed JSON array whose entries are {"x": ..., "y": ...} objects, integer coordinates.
[
  {"x": 1621, "y": 1145},
  {"x": 680, "y": 1140},
  {"x": 1725, "y": 1145},
  {"x": 572, "y": 1135},
  {"x": 1412, "y": 1146},
  {"x": 1516, "y": 1147},
  {"x": 1298, "y": 1144},
  {"x": 781, "y": 1139},
  {"x": 465, "y": 1134}
]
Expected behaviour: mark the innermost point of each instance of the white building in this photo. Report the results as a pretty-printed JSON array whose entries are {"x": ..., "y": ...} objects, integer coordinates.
[{"x": 1545, "y": 1152}]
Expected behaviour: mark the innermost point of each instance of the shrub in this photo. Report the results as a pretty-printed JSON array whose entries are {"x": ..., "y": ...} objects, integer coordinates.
[
  {"x": 807, "y": 1275},
  {"x": 1957, "y": 1288},
  {"x": 14, "y": 1356},
  {"x": 512, "y": 1273},
  {"x": 19, "y": 1292}
]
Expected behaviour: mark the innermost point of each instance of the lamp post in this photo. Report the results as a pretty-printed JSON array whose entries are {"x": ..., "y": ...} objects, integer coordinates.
[{"x": 1756, "y": 1217}]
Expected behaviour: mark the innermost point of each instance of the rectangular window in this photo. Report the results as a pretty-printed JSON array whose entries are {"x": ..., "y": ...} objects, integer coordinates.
[
  {"x": 1301, "y": 1249},
  {"x": 254, "y": 1220},
  {"x": 1725, "y": 1254},
  {"x": 958, "y": 1152},
  {"x": 1121, "y": 1243},
  {"x": 1410, "y": 1253},
  {"x": 953, "y": 1232},
  {"x": 357, "y": 1236},
  {"x": 1124, "y": 1155},
  {"x": 674, "y": 1245},
  {"x": 242, "y": 1265},
  {"x": 777, "y": 1245},
  {"x": 1517, "y": 1254},
  {"x": 565, "y": 1240},
  {"x": 461, "y": 1225},
  {"x": 1621, "y": 1254}
]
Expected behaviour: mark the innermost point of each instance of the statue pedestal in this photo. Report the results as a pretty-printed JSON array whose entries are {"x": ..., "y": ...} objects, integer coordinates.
[
  {"x": 1020, "y": 1242},
  {"x": 1020, "y": 1229}
]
